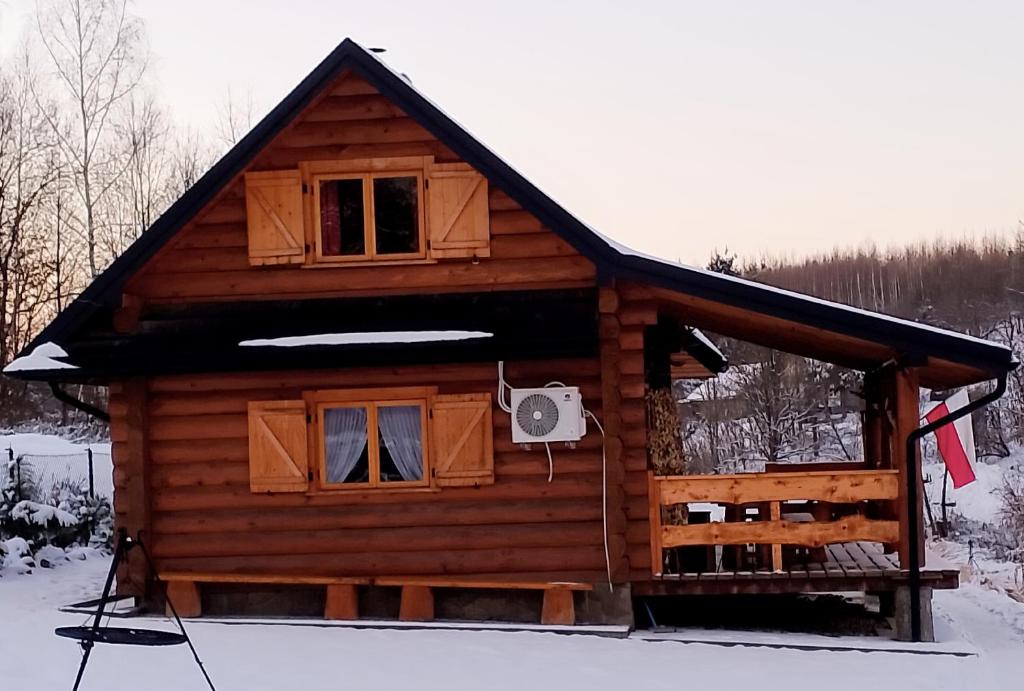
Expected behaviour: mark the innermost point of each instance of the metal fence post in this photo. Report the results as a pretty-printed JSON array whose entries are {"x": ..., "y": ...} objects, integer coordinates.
[
  {"x": 17, "y": 470},
  {"x": 92, "y": 485}
]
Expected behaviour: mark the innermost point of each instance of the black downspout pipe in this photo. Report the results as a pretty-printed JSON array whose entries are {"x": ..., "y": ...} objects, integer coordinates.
[
  {"x": 914, "y": 511},
  {"x": 64, "y": 397}
]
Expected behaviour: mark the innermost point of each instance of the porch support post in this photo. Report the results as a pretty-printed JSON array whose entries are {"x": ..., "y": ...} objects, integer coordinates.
[{"x": 906, "y": 417}]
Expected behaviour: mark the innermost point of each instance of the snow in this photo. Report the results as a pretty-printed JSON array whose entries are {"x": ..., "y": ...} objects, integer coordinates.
[
  {"x": 699, "y": 335},
  {"x": 979, "y": 500},
  {"x": 367, "y": 337},
  {"x": 41, "y": 358},
  {"x": 980, "y": 622},
  {"x": 41, "y": 514}
]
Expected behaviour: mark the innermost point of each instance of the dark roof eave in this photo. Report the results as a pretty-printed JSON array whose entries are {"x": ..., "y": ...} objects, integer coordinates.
[{"x": 903, "y": 337}]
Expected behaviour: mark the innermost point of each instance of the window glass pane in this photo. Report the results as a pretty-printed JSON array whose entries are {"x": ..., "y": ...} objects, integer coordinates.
[
  {"x": 341, "y": 218},
  {"x": 400, "y": 432},
  {"x": 396, "y": 215},
  {"x": 347, "y": 454}
]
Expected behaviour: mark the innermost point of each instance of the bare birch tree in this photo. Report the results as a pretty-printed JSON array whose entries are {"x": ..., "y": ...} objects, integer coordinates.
[{"x": 96, "y": 53}]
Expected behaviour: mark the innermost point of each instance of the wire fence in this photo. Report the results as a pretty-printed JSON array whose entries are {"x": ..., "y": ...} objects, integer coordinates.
[{"x": 43, "y": 477}]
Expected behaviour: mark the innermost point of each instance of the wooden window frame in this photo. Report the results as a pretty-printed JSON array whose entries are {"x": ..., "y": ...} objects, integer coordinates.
[
  {"x": 369, "y": 217},
  {"x": 371, "y": 400}
]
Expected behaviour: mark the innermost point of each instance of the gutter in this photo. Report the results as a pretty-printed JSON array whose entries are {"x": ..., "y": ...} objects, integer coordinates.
[
  {"x": 914, "y": 511},
  {"x": 78, "y": 404}
]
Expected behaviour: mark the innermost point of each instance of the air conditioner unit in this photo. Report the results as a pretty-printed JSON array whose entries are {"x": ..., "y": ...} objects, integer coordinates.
[{"x": 551, "y": 414}]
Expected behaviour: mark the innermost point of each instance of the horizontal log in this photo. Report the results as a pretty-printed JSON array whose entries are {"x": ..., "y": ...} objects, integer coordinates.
[
  {"x": 209, "y": 236},
  {"x": 497, "y": 200},
  {"x": 531, "y": 245},
  {"x": 348, "y": 541},
  {"x": 326, "y": 281},
  {"x": 380, "y": 131},
  {"x": 515, "y": 223},
  {"x": 814, "y": 534},
  {"x": 406, "y": 375},
  {"x": 564, "y": 486},
  {"x": 354, "y": 107},
  {"x": 278, "y": 156},
  {"x": 840, "y": 488},
  {"x": 439, "y": 513},
  {"x": 553, "y": 560}
]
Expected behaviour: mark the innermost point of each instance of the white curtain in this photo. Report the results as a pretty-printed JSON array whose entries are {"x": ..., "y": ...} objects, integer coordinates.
[
  {"x": 345, "y": 440},
  {"x": 402, "y": 429}
]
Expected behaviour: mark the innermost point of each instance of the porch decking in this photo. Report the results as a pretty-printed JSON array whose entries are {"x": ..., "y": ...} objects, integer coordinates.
[{"x": 849, "y": 566}]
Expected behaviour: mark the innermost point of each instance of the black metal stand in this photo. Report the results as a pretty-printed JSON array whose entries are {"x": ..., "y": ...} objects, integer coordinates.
[{"x": 88, "y": 636}]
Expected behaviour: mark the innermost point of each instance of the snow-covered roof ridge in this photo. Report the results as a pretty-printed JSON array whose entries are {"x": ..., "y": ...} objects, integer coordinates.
[{"x": 365, "y": 338}]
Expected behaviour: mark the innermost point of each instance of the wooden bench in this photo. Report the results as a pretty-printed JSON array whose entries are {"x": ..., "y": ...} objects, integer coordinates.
[
  {"x": 342, "y": 601},
  {"x": 342, "y": 597},
  {"x": 418, "y": 596}
]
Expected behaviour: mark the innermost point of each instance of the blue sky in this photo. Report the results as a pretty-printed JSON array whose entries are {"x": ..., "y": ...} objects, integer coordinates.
[{"x": 675, "y": 127}]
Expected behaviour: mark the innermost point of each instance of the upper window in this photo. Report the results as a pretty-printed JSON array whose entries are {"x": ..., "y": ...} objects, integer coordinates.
[
  {"x": 369, "y": 216},
  {"x": 373, "y": 443}
]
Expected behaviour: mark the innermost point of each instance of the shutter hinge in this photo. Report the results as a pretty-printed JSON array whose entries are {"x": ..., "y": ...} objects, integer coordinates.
[
  {"x": 305, "y": 188},
  {"x": 426, "y": 183},
  {"x": 309, "y": 475},
  {"x": 430, "y": 413},
  {"x": 309, "y": 419}
]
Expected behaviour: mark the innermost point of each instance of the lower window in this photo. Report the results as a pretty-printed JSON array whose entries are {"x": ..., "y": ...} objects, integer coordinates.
[{"x": 372, "y": 443}]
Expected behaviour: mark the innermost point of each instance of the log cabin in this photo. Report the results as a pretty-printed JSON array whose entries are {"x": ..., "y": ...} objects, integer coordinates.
[{"x": 303, "y": 354}]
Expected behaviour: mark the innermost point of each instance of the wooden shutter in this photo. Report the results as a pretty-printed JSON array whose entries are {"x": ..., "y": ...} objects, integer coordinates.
[
  {"x": 462, "y": 445},
  {"x": 273, "y": 209},
  {"x": 458, "y": 220},
  {"x": 277, "y": 446}
]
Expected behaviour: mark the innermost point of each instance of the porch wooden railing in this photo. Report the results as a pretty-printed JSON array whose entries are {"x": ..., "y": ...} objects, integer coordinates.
[{"x": 770, "y": 490}]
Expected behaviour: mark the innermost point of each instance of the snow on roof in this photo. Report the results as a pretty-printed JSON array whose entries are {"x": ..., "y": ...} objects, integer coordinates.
[
  {"x": 367, "y": 337},
  {"x": 41, "y": 358},
  {"x": 723, "y": 387},
  {"x": 699, "y": 335}
]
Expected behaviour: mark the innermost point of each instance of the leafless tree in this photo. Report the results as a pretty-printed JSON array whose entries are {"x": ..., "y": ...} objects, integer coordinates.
[
  {"x": 235, "y": 118},
  {"x": 96, "y": 53},
  {"x": 26, "y": 176}
]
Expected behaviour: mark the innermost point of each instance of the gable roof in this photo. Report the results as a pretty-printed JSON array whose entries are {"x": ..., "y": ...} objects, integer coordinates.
[{"x": 611, "y": 259}]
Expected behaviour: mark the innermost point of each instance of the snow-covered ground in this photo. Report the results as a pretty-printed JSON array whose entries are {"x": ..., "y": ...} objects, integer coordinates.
[{"x": 984, "y": 622}]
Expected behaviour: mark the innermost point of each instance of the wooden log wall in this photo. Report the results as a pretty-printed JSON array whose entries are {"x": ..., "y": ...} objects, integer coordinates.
[
  {"x": 626, "y": 311},
  {"x": 208, "y": 259},
  {"x": 204, "y": 518}
]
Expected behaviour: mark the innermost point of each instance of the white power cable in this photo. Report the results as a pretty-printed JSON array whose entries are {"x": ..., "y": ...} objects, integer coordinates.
[
  {"x": 604, "y": 497},
  {"x": 507, "y": 407}
]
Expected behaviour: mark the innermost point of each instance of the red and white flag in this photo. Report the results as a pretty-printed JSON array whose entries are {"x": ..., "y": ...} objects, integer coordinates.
[{"x": 955, "y": 440}]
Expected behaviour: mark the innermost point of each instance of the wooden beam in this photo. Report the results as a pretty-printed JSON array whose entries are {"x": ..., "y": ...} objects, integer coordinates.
[
  {"x": 342, "y": 602},
  {"x": 906, "y": 418},
  {"x": 184, "y": 595},
  {"x": 776, "y": 515},
  {"x": 654, "y": 503},
  {"x": 839, "y": 488},
  {"x": 848, "y": 529},
  {"x": 417, "y": 603},
  {"x": 558, "y": 608}
]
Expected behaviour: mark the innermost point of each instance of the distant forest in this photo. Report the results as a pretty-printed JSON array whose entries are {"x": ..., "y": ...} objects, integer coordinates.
[{"x": 777, "y": 407}]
